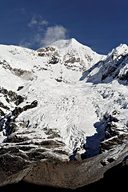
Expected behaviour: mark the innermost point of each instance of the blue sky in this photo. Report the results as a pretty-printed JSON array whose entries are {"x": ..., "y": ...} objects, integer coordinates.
[{"x": 100, "y": 24}]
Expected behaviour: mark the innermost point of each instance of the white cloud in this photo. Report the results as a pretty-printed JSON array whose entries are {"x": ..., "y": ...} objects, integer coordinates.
[
  {"x": 34, "y": 41},
  {"x": 53, "y": 34},
  {"x": 32, "y": 22},
  {"x": 24, "y": 43},
  {"x": 37, "y": 21},
  {"x": 43, "y": 35}
]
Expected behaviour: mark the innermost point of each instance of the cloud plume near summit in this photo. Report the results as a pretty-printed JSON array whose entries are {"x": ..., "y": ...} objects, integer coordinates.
[{"x": 53, "y": 34}]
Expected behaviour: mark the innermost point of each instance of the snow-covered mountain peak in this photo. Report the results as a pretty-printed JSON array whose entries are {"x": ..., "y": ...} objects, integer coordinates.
[
  {"x": 113, "y": 67},
  {"x": 67, "y": 43},
  {"x": 73, "y": 54},
  {"x": 121, "y": 50},
  {"x": 72, "y": 44}
]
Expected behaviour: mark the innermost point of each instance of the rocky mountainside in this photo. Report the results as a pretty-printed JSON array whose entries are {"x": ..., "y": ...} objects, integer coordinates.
[{"x": 63, "y": 111}]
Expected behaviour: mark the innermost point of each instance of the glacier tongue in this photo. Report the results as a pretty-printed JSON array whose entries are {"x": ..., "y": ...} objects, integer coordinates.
[{"x": 61, "y": 103}]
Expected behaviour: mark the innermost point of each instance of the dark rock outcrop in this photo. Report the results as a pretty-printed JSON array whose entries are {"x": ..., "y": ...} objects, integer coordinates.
[
  {"x": 13, "y": 168},
  {"x": 74, "y": 174},
  {"x": 37, "y": 165},
  {"x": 7, "y": 123}
]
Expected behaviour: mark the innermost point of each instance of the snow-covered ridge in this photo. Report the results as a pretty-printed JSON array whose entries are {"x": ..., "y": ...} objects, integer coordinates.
[
  {"x": 122, "y": 49},
  {"x": 70, "y": 44},
  {"x": 113, "y": 67},
  {"x": 74, "y": 54}
]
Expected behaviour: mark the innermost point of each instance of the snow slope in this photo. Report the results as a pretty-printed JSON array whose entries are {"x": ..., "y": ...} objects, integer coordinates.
[
  {"x": 114, "y": 66},
  {"x": 74, "y": 52},
  {"x": 67, "y": 111}
]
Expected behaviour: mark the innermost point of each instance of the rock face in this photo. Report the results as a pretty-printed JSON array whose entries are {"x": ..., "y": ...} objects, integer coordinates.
[
  {"x": 63, "y": 114},
  {"x": 76, "y": 173},
  {"x": 13, "y": 168}
]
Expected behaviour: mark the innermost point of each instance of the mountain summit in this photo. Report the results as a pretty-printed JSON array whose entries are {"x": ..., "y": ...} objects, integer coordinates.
[
  {"x": 70, "y": 44},
  {"x": 74, "y": 52},
  {"x": 63, "y": 111},
  {"x": 114, "y": 67}
]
